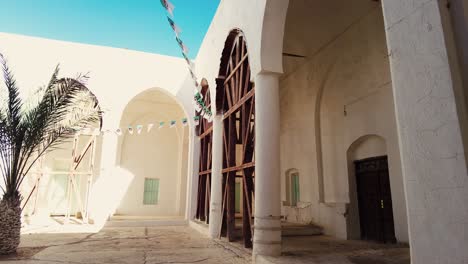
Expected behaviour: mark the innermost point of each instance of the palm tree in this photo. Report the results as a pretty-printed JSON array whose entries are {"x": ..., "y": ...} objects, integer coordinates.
[{"x": 28, "y": 130}]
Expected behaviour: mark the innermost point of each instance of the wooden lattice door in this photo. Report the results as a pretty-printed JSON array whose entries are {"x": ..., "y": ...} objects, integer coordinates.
[
  {"x": 205, "y": 133},
  {"x": 236, "y": 95}
]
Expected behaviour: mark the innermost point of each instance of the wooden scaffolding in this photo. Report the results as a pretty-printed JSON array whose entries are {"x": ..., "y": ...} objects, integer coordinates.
[
  {"x": 236, "y": 100},
  {"x": 73, "y": 191},
  {"x": 205, "y": 134}
]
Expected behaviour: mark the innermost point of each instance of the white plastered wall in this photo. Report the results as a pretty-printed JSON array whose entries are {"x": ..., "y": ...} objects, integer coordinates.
[
  {"x": 116, "y": 76},
  {"x": 349, "y": 79}
]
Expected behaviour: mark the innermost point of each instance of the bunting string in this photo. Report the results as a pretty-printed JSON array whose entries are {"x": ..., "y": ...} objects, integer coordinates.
[
  {"x": 199, "y": 104},
  {"x": 138, "y": 129}
]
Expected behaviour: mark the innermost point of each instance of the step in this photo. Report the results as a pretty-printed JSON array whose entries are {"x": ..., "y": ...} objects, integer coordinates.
[
  {"x": 294, "y": 229},
  {"x": 120, "y": 221}
]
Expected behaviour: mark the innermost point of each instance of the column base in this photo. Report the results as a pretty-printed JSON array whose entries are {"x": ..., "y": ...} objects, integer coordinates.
[
  {"x": 215, "y": 220},
  {"x": 267, "y": 236}
]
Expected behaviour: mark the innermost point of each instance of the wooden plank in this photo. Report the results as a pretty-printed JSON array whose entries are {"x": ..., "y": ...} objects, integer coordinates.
[
  {"x": 246, "y": 217},
  {"x": 231, "y": 183},
  {"x": 206, "y": 133},
  {"x": 202, "y": 173},
  {"x": 236, "y": 68},
  {"x": 239, "y": 167},
  {"x": 249, "y": 189},
  {"x": 234, "y": 108}
]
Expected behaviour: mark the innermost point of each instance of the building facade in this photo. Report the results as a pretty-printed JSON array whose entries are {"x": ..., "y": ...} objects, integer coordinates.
[
  {"x": 359, "y": 113},
  {"x": 350, "y": 115}
]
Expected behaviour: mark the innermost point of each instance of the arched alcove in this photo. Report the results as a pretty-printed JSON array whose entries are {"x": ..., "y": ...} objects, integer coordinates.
[
  {"x": 153, "y": 162},
  {"x": 335, "y": 88}
]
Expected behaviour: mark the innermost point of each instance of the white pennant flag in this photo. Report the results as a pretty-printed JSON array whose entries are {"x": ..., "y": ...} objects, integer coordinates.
[
  {"x": 118, "y": 131},
  {"x": 139, "y": 128},
  {"x": 130, "y": 130},
  {"x": 150, "y": 126}
]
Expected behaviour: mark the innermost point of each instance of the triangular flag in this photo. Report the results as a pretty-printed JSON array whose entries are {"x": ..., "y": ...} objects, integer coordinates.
[
  {"x": 168, "y": 6},
  {"x": 184, "y": 121},
  {"x": 173, "y": 123},
  {"x": 197, "y": 94},
  {"x": 196, "y": 120},
  {"x": 185, "y": 50},
  {"x": 161, "y": 125},
  {"x": 189, "y": 62},
  {"x": 139, "y": 128},
  {"x": 130, "y": 130},
  {"x": 174, "y": 27},
  {"x": 197, "y": 105},
  {"x": 150, "y": 126},
  {"x": 182, "y": 46},
  {"x": 118, "y": 131}
]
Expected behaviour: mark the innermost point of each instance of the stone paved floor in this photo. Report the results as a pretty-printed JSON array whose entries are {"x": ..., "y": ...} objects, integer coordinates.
[
  {"x": 182, "y": 244},
  {"x": 327, "y": 250},
  {"x": 121, "y": 245}
]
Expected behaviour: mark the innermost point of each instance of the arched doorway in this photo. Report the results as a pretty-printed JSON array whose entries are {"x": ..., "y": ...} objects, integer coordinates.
[
  {"x": 205, "y": 134},
  {"x": 370, "y": 211},
  {"x": 236, "y": 100},
  {"x": 153, "y": 157}
]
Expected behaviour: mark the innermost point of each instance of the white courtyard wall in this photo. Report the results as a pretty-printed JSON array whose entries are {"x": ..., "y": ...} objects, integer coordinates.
[
  {"x": 350, "y": 79},
  {"x": 116, "y": 76}
]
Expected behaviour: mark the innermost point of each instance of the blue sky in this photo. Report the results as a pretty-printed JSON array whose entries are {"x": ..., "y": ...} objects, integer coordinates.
[{"x": 133, "y": 24}]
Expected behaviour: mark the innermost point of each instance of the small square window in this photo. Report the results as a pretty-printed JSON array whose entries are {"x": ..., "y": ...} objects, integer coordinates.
[{"x": 151, "y": 193}]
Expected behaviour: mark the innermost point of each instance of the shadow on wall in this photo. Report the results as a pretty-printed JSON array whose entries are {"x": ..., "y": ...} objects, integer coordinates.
[{"x": 107, "y": 193}]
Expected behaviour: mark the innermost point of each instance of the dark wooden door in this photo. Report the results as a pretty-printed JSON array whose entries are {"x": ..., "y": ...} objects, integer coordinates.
[{"x": 375, "y": 200}]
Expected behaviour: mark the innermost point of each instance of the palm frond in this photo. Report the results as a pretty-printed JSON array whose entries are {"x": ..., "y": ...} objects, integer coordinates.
[{"x": 27, "y": 134}]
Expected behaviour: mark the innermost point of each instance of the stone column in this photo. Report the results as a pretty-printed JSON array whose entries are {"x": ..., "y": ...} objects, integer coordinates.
[
  {"x": 192, "y": 186},
  {"x": 216, "y": 178},
  {"x": 432, "y": 153},
  {"x": 267, "y": 235}
]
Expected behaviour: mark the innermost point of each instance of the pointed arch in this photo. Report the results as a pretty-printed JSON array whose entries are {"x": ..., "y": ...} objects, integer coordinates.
[{"x": 236, "y": 102}]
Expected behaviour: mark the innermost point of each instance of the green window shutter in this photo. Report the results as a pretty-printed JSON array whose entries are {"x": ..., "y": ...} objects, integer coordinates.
[
  {"x": 151, "y": 192},
  {"x": 238, "y": 197},
  {"x": 295, "y": 194}
]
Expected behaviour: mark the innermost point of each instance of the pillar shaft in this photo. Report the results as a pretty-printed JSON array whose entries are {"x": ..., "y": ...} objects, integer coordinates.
[
  {"x": 194, "y": 150},
  {"x": 432, "y": 152},
  {"x": 216, "y": 178},
  {"x": 267, "y": 235}
]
